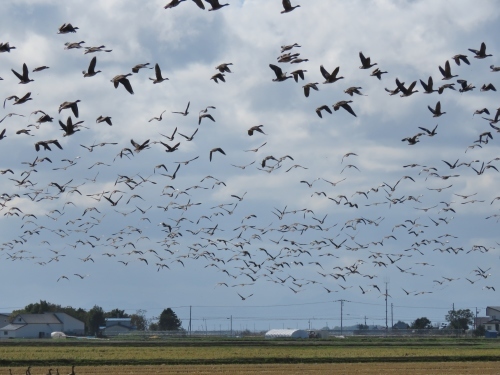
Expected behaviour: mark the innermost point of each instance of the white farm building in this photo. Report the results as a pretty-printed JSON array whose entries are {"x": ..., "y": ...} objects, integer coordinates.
[
  {"x": 286, "y": 333},
  {"x": 41, "y": 326}
]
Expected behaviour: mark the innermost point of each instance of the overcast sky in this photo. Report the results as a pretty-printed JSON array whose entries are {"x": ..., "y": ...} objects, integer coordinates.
[{"x": 254, "y": 242}]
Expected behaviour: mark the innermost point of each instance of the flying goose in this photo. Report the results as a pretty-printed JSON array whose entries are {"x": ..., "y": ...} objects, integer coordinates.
[
  {"x": 481, "y": 54},
  {"x": 495, "y": 68},
  {"x": 256, "y": 128},
  {"x": 137, "y": 67},
  {"x": 446, "y": 86},
  {"x": 289, "y": 47},
  {"x": 280, "y": 76},
  {"x": 40, "y": 68},
  {"x": 298, "y": 73},
  {"x": 354, "y": 90},
  {"x": 323, "y": 108},
  {"x": 69, "y": 128},
  {"x": 215, "y": 4},
  {"x": 488, "y": 87},
  {"x": 105, "y": 119},
  {"x": 463, "y": 58},
  {"x": 74, "y": 45},
  {"x": 67, "y": 28},
  {"x": 446, "y": 72},
  {"x": 218, "y": 76},
  {"x": 5, "y": 47},
  {"x": 428, "y": 87},
  {"x": 173, "y": 4},
  {"x": 377, "y": 73},
  {"x": 307, "y": 88},
  {"x": 217, "y": 149},
  {"x": 18, "y": 100},
  {"x": 437, "y": 110},
  {"x": 24, "y": 78},
  {"x": 344, "y": 104},
  {"x": 330, "y": 78},
  {"x": 224, "y": 67},
  {"x": 46, "y": 144},
  {"x": 122, "y": 78},
  {"x": 158, "y": 75},
  {"x": 406, "y": 91},
  {"x": 185, "y": 113},
  {"x": 465, "y": 87},
  {"x": 140, "y": 147},
  {"x": 205, "y": 115},
  {"x": 96, "y": 49},
  {"x": 288, "y": 6},
  {"x": 91, "y": 70},
  {"x": 72, "y": 105},
  {"x": 365, "y": 62}
]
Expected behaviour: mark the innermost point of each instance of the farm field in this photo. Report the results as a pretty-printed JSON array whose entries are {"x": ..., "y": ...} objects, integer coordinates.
[
  {"x": 414, "y": 368},
  {"x": 353, "y": 356}
]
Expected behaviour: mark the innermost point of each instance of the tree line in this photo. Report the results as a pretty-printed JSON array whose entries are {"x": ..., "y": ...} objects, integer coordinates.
[{"x": 96, "y": 317}]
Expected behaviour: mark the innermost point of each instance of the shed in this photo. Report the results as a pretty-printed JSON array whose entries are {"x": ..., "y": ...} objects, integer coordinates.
[
  {"x": 286, "y": 333},
  {"x": 491, "y": 334}
]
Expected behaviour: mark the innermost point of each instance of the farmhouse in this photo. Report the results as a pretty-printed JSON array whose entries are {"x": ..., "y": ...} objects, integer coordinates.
[
  {"x": 115, "y": 326},
  {"x": 493, "y": 324},
  {"x": 41, "y": 326},
  {"x": 4, "y": 320}
]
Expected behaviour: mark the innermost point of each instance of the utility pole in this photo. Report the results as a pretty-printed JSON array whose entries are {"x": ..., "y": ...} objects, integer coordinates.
[
  {"x": 392, "y": 315},
  {"x": 189, "y": 327},
  {"x": 341, "y": 313},
  {"x": 386, "y": 281}
]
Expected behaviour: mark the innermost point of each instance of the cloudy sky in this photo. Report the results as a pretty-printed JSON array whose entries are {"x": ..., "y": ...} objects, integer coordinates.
[{"x": 342, "y": 208}]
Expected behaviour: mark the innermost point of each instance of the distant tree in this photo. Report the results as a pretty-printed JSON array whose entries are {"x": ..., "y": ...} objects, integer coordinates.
[
  {"x": 362, "y": 326},
  {"x": 95, "y": 319},
  {"x": 139, "y": 320},
  {"x": 153, "y": 327},
  {"x": 460, "y": 319},
  {"x": 480, "y": 331},
  {"x": 401, "y": 325},
  {"x": 116, "y": 313},
  {"x": 169, "y": 321},
  {"x": 421, "y": 323}
]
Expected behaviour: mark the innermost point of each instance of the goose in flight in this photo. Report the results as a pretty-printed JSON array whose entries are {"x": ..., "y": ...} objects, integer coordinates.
[
  {"x": 287, "y": 6},
  {"x": 122, "y": 78},
  {"x": 406, "y": 91},
  {"x": 96, "y": 49},
  {"x": 428, "y": 86},
  {"x": 158, "y": 75},
  {"x": 72, "y": 105},
  {"x": 215, "y": 4},
  {"x": 298, "y": 73},
  {"x": 377, "y": 73},
  {"x": 74, "y": 45},
  {"x": 256, "y": 128},
  {"x": 91, "y": 70},
  {"x": 217, "y": 149},
  {"x": 323, "y": 108},
  {"x": 354, "y": 90},
  {"x": 185, "y": 113},
  {"x": 24, "y": 78},
  {"x": 224, "y": 67},
  {"x": 5, "y": 47},
  {"x": 307, "y": 88},
  {"x": 344, "y": 104},
  {"x": 106, "y": 119},
  {"x": 330, "y": 78},
  {"x": 218, "y": 76},
  {"x": 458, "y": 58},
  {"x": 138, "y": 67},
  {"x": 481, "y": 54},
  {"x": 69, "y": 128},
  {"x": 66, "y": 28},
  {"x": 365, "y": 62},
  {"x": 446, "y": 72},
  {"x": 139, "y": 147},
  {"x": 280, "y": 76},
  {"x": 437, "y": 110},
  {"x": 18, "y": 100}
]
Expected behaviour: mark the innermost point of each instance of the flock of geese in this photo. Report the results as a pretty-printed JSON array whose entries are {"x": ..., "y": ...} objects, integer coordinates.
[{"x": 108, "y": 211}]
